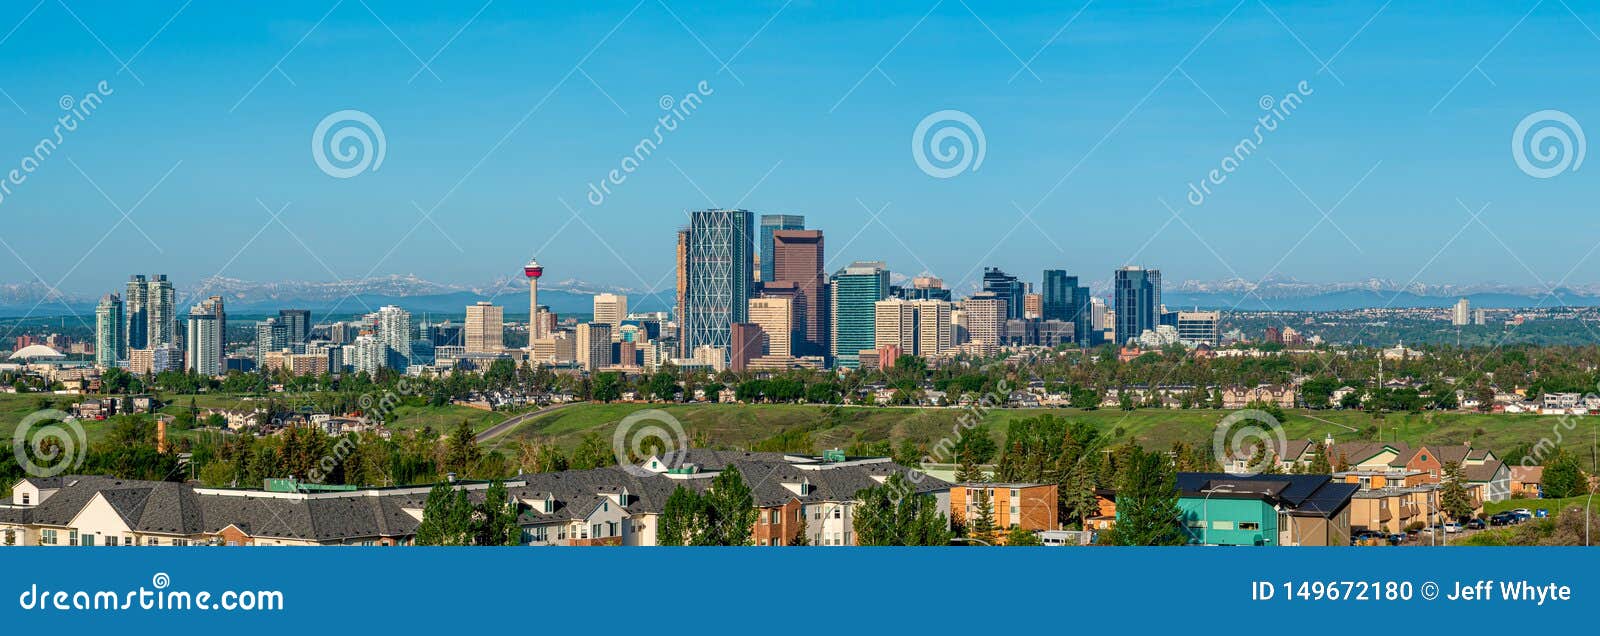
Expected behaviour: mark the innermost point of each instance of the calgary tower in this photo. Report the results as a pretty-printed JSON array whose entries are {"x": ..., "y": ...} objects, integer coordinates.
[{"x": 533, "y": 270}]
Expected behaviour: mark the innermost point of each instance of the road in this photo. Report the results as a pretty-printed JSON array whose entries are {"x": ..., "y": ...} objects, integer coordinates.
[{"x": 517, "y": 420}]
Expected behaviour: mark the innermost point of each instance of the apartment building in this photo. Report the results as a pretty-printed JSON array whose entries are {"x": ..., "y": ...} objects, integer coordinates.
[{"x": 1016, "y": 505}]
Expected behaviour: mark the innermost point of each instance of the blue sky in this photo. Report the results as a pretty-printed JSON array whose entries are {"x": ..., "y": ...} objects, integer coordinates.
[{"x": 523, "y": 105}]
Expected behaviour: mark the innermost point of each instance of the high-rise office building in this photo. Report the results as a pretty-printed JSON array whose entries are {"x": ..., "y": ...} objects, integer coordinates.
[
  {"x": 855, "y": 291},
  {"x": 1032, "y": 306},
  {"x": 1199, "y": 327},
  {"x": 797, "y": 259},
  {"x": 1065, "y": 301},
  {"x": 935, "y": 332},
  {"x": 986, "y": 316},
  {"x": 109, "y": 346},
  {"x": 922, "y": 288},
  {"x": 594, "y": 346},
  {"x": 611, "y": 309},
  {"x": 775, "y": 316},
  {"x": 136, "y": 333},
  {"x": 296, "y": 325},
  {"x": 485, "y": 328},
  {"x": 162, "y": 320},
  {"x": 771, "y": 223},
  {"x": 718, "y": 261},
  {"x": 896, "y": 325},
  {"x": 749, "y": 343},
  {"x": 681, "y": 262},
  {"x": 394, "y": 331},
  {"x": 1136, "y": 301},
  {"x": 271, "y": 337},
  {"x": 367, "y": 354},
  {"x": 203, "y": 353},
  {"x": 1007, "y": 288}
]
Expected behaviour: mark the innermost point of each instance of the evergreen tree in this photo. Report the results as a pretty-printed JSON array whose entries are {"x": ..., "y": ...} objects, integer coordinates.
[
  {"x": 461, "y": 451},
  {"x": 1078, "y": 500},
  {"x": 1453, "y": 497},
  {"x": 982, "y": 526},
  {"x": 496, "y": 520},
  {"x": 1147, "y": 502}
]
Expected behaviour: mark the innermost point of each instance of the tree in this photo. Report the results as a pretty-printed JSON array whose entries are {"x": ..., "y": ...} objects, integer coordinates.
[
  {"x": 893, "y": 514},
  {"x": 607, "y": 387},
  {"x": 982, "y": 523},
  {"x": 592, "y": 452},
  {"x": 495, "y": 521},
  {"x": 1019, "y": 537},
  {"x": 1563, "y": 477},
  {"x": 1453, "y": 497},
  {"x": 1147, "y": 502},
  {"x": 461, "y": 451},
  {"x": 725, "y": 515},
  {"x": 446, "y": 518},
  {"x": 1319, "y": 462},
  {"x": 1078, "y": 500},
  {"x": 680, "y": 518}
]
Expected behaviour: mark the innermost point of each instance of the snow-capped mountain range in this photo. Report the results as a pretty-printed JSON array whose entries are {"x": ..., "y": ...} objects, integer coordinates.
[{"x": 573, "y": 295}]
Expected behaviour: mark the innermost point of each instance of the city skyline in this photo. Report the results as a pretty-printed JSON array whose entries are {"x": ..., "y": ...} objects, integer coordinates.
[{"x": 1403, "y": 200}]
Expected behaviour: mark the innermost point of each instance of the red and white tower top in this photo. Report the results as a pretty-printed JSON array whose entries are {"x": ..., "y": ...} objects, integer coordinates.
[{"x": 533, "y": 269}]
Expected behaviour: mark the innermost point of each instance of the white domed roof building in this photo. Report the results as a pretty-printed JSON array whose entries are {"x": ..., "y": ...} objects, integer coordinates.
[{"x": 36, "y": 352}]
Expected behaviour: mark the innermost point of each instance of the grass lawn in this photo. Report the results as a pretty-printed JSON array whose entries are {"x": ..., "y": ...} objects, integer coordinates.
[
  {"x": 1555, "y": 506},
  {"x": 739, "y": 425}
]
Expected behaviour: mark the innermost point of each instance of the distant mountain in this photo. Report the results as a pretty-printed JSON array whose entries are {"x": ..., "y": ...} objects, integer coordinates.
[
  {"x": 573, "y": 296},
  {"x": 414, "y": 293}
]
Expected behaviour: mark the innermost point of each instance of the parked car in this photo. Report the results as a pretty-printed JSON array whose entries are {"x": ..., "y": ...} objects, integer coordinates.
[
  {"x": 1523, "y": 511},
  {"x": 1476, "y": 524},
  {"x": 1502, "y": 519},
  {"x": 1397, "y": 538},
  {"x": 1452, "y": 527}
]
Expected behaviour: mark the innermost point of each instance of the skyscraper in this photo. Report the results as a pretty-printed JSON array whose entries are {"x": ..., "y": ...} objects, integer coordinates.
[
  {"x": 610, "y": 309},
  {"x": 1136, "y": 301},
  {"x": 594, "y": 346},
  {"x": 986, "y": 317},
  {"x": 797, "y": 258},
  {"x": 109, "y": 346},
  {"x": 271, "y": 337},
  {"x": 203, "y": 353},
  {"x": 1064, "y": 300},
  {"x": 485, "y": 328},
  {"x": 296, "y": 325},
  {"x": 749, "y": 343},
  {"x": 935, "y": 333},
  {"x": 162, "y": 322},
  {"x": 136, "y": 335},
  {"x": 775, "y": 316},
  {"x": 896, "y": 325},
  {"x": 1007, "y": 288},
  {"x": 855, "y": 292},
  {"x": 772, "y": 223},
  {"x": 394, "y": 331},
  {"x": 1461, "y": 314},
  {"x": 718, "y": 261}
]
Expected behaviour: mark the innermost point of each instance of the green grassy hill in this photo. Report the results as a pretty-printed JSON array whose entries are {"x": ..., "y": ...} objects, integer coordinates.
[{"x": 741, "y": 425}]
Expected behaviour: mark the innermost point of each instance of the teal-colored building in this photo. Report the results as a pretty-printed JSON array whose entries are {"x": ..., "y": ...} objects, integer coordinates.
[
  {"x": 856, "y": 291},
  {"x": 1225, "y": 509}
]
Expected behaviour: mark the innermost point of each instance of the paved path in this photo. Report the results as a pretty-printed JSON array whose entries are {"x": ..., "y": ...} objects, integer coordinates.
[{"x": 517, "y": 420}]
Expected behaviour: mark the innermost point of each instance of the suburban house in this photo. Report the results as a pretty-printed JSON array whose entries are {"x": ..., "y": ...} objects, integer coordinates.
[
  {"x": 1238, "y": 397},
  {"x": 603, "y": 506},
  {"x": 1226, "y": 509},
  {"x": 1526, "y": 481},
  {"x": 1486, "y": 477}
]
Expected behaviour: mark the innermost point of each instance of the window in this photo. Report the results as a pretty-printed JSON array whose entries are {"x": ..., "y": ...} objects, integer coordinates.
[
  {"x": 1222, "y": 525},
  {"x": 596, "y": 529},
  {"x": 88, "y": 540},
  {"x": 152, "y": 541},
  {"x": 612, "y": 530},
  {"x": 536, "y": 535},
  {"x": 1249, "y": 525},
  {"x": 47, "y": 537},
  {"x": 1015, "y": 493},
  {"x": 25, "y": 497},
  {"x": 561, "y": 533},
  {"x": 110, "y": 541},
  {"x": 72, "y": 537},
  {"x": 180, "y": 542},
  {"x": 776, "y": 518},
  {"x": 838, "y": 513}
]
